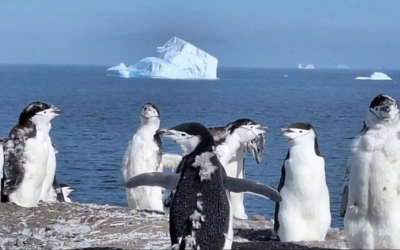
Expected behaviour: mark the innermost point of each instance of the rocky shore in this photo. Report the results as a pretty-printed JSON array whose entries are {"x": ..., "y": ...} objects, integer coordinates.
[{"x": 101, "y": 227}]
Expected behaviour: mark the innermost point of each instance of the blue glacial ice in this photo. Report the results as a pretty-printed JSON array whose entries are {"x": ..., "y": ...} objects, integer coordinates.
[{"x": 178, "y": 60}]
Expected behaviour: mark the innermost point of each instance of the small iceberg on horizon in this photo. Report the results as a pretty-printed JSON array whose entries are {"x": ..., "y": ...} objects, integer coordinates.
[
  {"x": 177, "y": 59},
  {"x": 374, "y": 76},
  {"x": 342, "y": 66},
  {"x": 309, "y": 66}
]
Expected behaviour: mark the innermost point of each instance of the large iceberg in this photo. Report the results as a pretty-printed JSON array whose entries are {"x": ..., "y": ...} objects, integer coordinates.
[
  {"x": 178, "y": 60},
  {"x": 374, "y": 76}
]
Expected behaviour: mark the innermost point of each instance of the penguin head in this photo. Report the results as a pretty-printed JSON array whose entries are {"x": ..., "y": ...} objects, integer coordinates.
[
  {"x": 150, "y": 114},
  {"x": 38, "y": 113},
  {"x": 246, "y": 129},
  {"x": 190, "y": 136},
  {"x": 384, "y": 110},
  {"x": 256, "y": 147},
  {"x": 299, "y": 132}
]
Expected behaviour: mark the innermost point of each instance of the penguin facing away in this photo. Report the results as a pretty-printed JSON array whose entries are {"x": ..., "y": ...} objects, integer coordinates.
[
  {"x": 371, "y": 217},
  {"x": 200, "y": 214},
  {"x": 231, "y": 142},
  {"x": 304, "y": 213},
  {"x": 26, "y": 154}
]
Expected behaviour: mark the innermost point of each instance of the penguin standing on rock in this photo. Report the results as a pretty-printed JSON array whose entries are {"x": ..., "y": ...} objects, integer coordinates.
[
  {"x": 26, "y": 155},
  {"x": 200, "y": 213},
  {"x": 231, "y": 143},
  {"x": 304, "y": 213},
  {"x": 371, "y": 202},
  {"x": 145, "y": 154}
]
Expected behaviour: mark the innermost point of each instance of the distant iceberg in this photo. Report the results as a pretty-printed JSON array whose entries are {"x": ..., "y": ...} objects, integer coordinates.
[
  {"x": 309, "y": 66},
  {"x": 374, "y": 76},
  {"x": 178, "y": 60},
  {"x": 342, "y": 66}
]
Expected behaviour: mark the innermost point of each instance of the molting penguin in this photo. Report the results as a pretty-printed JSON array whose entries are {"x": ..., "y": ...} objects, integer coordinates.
[
  {"x": 26, "y": 154},
  {"x": 144, "y": 154},
  {"x": 231, "y": 141},
  {"x": 304, "y": 213},
  {"x": 372, "y": 201},
  {"x": 242, "y": 135},
  {"x": 200, "y": 214}
]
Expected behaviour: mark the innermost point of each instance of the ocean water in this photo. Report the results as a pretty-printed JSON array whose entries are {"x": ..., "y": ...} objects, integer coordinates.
[{"x": 101, "y": 114}]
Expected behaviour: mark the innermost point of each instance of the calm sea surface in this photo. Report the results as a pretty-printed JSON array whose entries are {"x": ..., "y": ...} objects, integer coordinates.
[{"x": 101, "y": 113}]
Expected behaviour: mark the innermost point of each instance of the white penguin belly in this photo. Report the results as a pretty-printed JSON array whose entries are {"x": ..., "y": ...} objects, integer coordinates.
[
  {"x": 36, "y": 156},
  {"x": 235, "y": 169},
  {"x": 48, "y": 194},
  {"x": 144, "y": 159},
  {"x": 372, "y": 219},
  {"x": 304, "y": 213}
]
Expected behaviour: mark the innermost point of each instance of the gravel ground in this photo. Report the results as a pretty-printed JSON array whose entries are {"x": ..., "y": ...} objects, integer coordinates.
[{"x": 102, "y": 227}]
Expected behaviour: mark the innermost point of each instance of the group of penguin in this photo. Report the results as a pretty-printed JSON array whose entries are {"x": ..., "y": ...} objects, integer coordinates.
[{"x": 206, "y": 189}]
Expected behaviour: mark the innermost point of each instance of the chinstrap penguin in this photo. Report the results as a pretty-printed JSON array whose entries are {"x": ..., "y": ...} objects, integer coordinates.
[
  {"x": 200, "y": 213},
  {"x": 372, "y": 218},
  {"x": 231, "y": 142},
  {"x": 304, "y": 212},
  {"x": 26, "y": 154},
  {"x": 145, "y": 154},
  {"x": 242, "y": 135}
]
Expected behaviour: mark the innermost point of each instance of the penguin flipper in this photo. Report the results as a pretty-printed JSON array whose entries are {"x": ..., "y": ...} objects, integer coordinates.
[
  {"x": 171, "y": 160},
  {"x": 164, "y": 180},
  {"x": 247, "y": 186},
  {"x": 343, "y": 203}
]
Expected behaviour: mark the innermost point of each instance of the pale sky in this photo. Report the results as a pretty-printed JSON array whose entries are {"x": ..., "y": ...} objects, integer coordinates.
[{"x": 251, "y": 33}]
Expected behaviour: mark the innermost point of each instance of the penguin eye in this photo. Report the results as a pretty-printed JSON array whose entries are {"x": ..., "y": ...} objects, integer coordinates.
[
  {"x": 183, "y": 134},
  {"x": 376, "y": 108},
  {"x": 45, "y": 112},
  {"x": 301, "y": 131}
]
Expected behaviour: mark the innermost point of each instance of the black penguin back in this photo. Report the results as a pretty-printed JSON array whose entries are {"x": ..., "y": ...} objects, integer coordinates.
[{"x": 199, "y": 211}]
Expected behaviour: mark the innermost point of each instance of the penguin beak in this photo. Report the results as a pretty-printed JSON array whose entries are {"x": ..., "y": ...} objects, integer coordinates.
[
  {"x": 162, "y": 132},
  {"x": 56, "y": 110},
  {"x": 166, "y": 133},
  {"x": 286, "y": 131}
]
